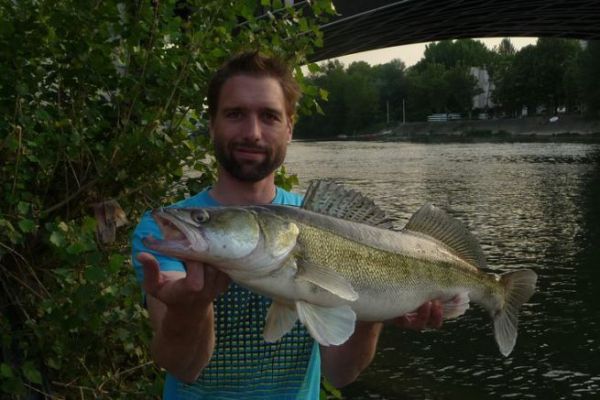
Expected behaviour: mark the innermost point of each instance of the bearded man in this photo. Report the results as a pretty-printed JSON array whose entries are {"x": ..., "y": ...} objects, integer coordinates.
[{"x": 207, "y": 330}]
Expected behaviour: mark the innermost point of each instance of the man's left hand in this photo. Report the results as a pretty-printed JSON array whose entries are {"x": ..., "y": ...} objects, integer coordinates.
[{"x": 428, "y": 316}]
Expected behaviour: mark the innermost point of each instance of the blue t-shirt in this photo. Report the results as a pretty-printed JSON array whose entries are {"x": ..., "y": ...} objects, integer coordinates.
[{"x": 243, "y": 365}]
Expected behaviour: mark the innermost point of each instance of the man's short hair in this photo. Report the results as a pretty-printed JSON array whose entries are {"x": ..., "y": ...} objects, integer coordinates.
[{"x": 255, "y": 64}]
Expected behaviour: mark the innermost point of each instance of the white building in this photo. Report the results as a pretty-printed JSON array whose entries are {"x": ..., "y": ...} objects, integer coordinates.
[{"x": 483, "y": 100}]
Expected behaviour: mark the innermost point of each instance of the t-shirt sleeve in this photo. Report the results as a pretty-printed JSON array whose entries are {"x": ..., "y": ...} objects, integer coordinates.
[{"x": 148, "y": 227}]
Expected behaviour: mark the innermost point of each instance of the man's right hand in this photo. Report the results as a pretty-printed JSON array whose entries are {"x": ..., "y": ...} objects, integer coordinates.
[
  {"x": 198, "y": 287},
  {"x": 180, "y": 305}
]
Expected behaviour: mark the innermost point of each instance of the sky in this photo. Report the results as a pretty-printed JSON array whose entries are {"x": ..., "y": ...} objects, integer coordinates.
[{"x": 412, "y": 53}]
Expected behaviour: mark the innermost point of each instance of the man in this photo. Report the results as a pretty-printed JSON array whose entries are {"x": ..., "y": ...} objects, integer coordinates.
[{"x": 208, "y": 331}]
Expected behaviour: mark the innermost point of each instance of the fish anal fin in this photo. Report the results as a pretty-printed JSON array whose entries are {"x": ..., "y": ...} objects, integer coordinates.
[
  {"x": 281, "y": 318},
  {"x": 432, "y": 221},
  {"x": 456, "y": 306},
  {"x": 329, "y": 198},
  {"x": 325, "y": 278},
  {"x": 327, "y": 325}
]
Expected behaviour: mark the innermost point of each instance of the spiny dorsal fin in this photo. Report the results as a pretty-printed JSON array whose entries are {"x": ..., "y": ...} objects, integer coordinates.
[
  {"x": 327, "y": 197},
  {"x": 434, "y": 222}
]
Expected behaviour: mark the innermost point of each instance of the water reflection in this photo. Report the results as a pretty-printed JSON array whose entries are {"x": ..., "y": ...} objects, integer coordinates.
[{"x": 531, "y": 205}]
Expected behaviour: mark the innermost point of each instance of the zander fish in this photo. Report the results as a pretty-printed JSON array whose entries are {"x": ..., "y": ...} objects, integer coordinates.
[{"x": 334, "y": 261}]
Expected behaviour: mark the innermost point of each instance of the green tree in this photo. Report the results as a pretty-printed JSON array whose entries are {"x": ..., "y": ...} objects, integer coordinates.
[
  {"x": 103, "y": 102},
  {"x": 428, "y": 91},
  {"x": 589, "y": 68},
  {"x": 452, "y": 53},
  {"x": 540, "y": 75},
  {"x": 351, "y": 103},
  {"x": 330, "y": 119},
  {"x": 361, "y": 98},
  {"x": 391, "y": 84}
]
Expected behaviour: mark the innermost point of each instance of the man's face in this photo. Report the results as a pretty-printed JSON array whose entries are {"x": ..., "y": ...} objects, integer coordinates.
[{"x": 251, "y": 129}]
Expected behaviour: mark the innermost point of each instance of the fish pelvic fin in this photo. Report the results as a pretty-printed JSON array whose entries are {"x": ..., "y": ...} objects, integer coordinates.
[
  {"x": 519, "y": 286},
  {"x": 432, "y": 221},
  {"x": 327, "y": 325},
  {"x": 281, "y": 318}
]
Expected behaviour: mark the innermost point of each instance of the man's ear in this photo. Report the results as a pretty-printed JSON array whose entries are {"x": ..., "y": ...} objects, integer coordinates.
[{"x": 290, "y": 128}]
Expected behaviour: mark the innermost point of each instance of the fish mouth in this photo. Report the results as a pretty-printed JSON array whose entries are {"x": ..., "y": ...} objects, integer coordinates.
[{"x": 175, "y": 241}]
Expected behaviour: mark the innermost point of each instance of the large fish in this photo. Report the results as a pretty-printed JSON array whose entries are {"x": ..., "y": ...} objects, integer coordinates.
[{"x": 334, "y": 261}]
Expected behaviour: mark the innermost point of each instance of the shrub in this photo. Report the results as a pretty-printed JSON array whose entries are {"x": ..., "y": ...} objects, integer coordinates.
[{"x": 103, "y": 102}]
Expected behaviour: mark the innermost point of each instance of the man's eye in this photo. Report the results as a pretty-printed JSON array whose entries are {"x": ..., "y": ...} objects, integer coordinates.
[
  {"x": 272, "y": 117},
  {"x": 233, "y": 114}
]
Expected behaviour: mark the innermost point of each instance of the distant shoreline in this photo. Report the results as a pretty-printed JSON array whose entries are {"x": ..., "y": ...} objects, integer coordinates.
[{"x": 566, "y": 129}]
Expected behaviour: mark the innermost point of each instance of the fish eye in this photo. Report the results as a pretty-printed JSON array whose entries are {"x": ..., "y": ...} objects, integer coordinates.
[{"x": 200, "y": 216}]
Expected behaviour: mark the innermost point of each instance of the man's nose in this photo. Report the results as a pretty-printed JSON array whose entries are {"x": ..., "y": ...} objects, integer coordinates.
[{"x": 252, "y": 130}]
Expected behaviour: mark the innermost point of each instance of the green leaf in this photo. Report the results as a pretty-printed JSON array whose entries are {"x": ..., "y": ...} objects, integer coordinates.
[
  {"x": 27, "y": 225},
  {"x": 31, "y": 373},
  {"x": 52, "y": 363},
  {"x": 324, "y": 94},
  {"x": 116, "y": 262},
  {"x": 23, "y": 207},
  {"x": 77, "y": 248},
  {"x": 57, "y": 239},
  {"x": 314, "y": 68},
  {"x": 95, "y": 274},
  {"x": 6, "y": 371},
  {"x": 89, "y": 225}
]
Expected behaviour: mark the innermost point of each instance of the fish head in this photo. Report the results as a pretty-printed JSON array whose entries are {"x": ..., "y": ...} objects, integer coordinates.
[{"x": 232, "y": 238}]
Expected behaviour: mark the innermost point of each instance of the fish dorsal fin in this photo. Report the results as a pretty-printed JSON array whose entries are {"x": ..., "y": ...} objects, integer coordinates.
[
  {"x": 434, "y": 222},
  {"x": 329, "y": 198}
]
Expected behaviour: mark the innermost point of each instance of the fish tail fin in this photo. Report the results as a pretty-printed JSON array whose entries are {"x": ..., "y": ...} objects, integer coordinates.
[{"x": 518, "y": 288}]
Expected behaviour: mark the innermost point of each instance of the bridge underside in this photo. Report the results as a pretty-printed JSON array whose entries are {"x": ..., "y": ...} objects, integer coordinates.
[{"x": 375, "y": 24}]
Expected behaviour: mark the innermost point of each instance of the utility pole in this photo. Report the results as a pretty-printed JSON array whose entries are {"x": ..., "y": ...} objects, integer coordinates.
[
  {"x": 387, "y": 106},
  {"x": 403, "y": 111}
]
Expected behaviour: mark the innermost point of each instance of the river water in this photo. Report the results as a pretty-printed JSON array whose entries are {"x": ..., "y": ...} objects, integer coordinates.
[{"x": 531, "y": 206}]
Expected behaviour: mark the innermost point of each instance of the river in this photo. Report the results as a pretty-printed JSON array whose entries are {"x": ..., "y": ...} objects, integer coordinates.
[{"x": 532, "y": 206}]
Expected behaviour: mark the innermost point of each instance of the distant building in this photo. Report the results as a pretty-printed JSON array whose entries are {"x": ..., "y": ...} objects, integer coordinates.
[{"x": 482, "y": 101}]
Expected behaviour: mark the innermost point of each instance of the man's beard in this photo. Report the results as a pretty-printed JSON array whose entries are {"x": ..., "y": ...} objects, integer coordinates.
[{"x": 248, "y": 171}]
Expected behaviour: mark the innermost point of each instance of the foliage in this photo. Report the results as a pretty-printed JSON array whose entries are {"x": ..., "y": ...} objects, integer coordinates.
[
  {"x": 105, "y": 100},
  {"x": 540, "y": 75},
  {"x": 454, "y": 53},
  {"x": 589, "y": 85},
  {"x": 552, "y": 74}
]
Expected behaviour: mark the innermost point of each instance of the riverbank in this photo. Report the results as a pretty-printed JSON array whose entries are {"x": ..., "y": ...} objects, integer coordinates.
[{"x": 533, "y": 129}]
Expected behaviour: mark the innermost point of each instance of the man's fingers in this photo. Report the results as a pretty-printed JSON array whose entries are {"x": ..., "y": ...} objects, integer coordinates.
[
  {"x": 222, "y": 283},
  {"x": 428, "y": 315},
  {"x": 436, "y": 314},
  {"x": 151, "y": 272},
  {"x": 195, "y": 278},
  {"x": 423, "y": 314},
  {"x": 216, "y": 281}
]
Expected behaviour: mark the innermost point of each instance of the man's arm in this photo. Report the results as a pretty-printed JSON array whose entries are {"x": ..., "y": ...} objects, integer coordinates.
[
  {"x": 181, "y": 312},
  {"x": 342, "y": 364}
]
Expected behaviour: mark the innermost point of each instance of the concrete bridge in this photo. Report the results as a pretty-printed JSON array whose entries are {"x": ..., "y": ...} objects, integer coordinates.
[{"x": 375, "y": 24}]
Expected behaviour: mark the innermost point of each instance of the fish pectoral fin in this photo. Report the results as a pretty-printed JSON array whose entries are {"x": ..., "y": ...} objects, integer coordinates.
[
  {"x": 281, "y": 318},
  {"x": 327, "y": 325},
  {"x": 327, "y": 279},
  {"x": 456, "y": 306}
]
